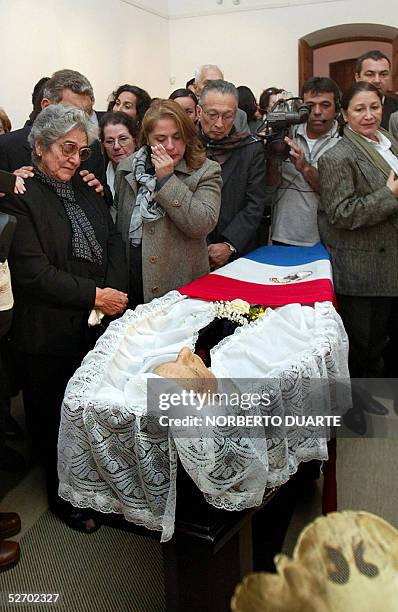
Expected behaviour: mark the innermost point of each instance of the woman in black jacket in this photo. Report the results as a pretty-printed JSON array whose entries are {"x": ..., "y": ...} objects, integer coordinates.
[{"x": 66, "y": 260}]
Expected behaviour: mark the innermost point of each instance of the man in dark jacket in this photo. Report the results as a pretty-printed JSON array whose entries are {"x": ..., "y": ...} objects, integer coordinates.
[
  {"x": 70, "y": 88},
  {"x": 375, "y": 67},
  {"x": 240, "y": 224}
]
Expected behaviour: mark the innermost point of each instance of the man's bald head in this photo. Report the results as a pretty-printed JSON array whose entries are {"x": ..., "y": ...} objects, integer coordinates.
[{"x": 207, "y": 72}]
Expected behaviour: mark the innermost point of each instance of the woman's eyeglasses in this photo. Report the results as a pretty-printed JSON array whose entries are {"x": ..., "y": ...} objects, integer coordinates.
[
  {"x": 122, "y": 140},
  {"x": 70, "y": 148}
]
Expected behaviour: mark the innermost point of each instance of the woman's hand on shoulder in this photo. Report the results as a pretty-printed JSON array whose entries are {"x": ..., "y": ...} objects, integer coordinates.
[
  {"x": 19, "y": 185},
  {"x": 392, "y": 183},
  {"x": 110, "y": 301},
  {"x": 164, "y": 165},
  {"x": 24, "y": 172},
  {"x": 92, "y": 181}
]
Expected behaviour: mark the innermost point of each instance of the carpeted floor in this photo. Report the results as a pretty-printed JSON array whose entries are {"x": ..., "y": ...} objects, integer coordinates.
[
  {"x": 113, "y": 570},
  {"x": 108, "y": 571}
]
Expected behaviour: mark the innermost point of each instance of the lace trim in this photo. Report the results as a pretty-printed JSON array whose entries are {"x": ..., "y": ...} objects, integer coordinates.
[{"x": 110, "y": 460}]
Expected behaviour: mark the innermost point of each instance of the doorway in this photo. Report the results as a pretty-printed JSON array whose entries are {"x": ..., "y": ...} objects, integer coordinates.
[
  {"x": 341, "y": 72},
  {"x": 370, "y": 35}
]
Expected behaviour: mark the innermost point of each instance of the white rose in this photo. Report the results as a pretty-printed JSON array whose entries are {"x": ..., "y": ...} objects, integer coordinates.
[{"x": 240, "y": 306}]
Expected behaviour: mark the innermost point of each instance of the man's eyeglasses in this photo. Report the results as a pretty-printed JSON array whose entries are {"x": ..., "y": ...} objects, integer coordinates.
[
  {"x": 214, "y": 115},
  {"x": 122, "y": 140},
  {"x": 71, "y": 148}
]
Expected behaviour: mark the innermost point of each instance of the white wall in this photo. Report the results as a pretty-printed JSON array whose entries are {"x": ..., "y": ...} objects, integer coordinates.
[
  {"x": 188, "y": 8},
  {"x": 109, "y": 41},
  {"x": 259, "y": 48},
  {"x": 117, "y": 41}
]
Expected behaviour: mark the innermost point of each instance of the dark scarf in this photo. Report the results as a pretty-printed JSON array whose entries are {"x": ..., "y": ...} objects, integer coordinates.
[
  {"x": 84, "y": 242},
  {"x": 221, "y": 150}
]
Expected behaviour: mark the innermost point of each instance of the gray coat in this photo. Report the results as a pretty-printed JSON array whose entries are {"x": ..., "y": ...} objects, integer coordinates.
[
  {"x": 393, "y": 125},
  {"x": 174, "y": 249},
  {"x": 358, "y": 223}
]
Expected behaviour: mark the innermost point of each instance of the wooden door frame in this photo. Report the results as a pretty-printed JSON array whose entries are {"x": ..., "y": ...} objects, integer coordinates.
[{"x": 306, "y": 55}]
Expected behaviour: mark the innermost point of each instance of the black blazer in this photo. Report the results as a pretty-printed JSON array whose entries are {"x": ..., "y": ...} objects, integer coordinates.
[
  {"x": 243, "y": 199},
  {"x": 390, "y": 105},
  {"x": 54, "y": 292}
]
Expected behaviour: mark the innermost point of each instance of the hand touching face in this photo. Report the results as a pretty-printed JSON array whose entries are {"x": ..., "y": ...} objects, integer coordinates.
[{"x": 167, "y": 145}]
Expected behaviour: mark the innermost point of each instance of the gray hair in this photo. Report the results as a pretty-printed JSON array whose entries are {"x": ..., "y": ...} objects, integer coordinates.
[
  {"x": 67, "y": 79},
  {"x": 205, "y": 68},
  {"x": 221, "y": 87},
  {"x": 57, "y": 120}
]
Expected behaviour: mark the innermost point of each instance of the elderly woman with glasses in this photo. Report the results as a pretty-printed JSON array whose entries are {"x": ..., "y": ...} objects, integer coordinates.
[{"x": 66, "y": 260}]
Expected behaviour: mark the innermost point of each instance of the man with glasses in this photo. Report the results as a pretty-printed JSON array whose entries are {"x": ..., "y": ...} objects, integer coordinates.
[
  {"x": 70, "y": 88},
  {"x": 241, "y": 156}
]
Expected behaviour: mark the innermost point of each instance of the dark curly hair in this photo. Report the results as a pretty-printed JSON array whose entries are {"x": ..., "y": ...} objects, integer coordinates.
[{"x": 143, "y": 99}]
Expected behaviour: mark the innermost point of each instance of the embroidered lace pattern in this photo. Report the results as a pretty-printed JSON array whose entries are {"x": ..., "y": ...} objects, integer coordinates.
[{"x": 112, "y": 459}]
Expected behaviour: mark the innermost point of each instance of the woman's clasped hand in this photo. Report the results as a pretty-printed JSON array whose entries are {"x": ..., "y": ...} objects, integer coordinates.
[
  {"x": 392, "y": 183},
  {"x": 110, "y": 301}
]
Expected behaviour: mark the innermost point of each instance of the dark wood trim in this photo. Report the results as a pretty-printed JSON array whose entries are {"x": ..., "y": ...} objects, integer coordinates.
[
  {"x": 338, "y": 41},
  {"x": 306, "y": 53},
  {"x": 305, "y": 62},
  {"x": 394, "y": 61}
]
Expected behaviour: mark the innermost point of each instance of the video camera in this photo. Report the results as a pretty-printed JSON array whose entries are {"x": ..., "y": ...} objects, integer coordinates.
[{"x": 285, "y": 113}]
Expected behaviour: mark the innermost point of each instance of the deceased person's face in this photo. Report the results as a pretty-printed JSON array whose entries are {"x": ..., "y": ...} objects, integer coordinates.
[{"x": 190, "y": 368}]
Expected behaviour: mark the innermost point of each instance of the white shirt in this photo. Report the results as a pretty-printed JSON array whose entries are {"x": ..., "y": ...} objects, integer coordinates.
[
  {"x": 310, "y": 141},
  {"x": 110, "y": 177},
  {"x": 384, "y": 148}
]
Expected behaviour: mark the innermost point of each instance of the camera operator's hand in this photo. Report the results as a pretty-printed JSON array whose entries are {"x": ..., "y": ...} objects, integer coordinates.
[
  {"x": 310, "y": 173},
  {"x": 296, "y": 154}
]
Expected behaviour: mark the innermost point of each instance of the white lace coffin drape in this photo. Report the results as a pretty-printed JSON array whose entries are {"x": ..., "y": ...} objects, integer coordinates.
[{"x": 111, "y": 460}]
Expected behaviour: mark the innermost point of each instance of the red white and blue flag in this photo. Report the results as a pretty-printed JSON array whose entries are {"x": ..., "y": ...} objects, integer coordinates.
[{"x": 271, "y": 276}]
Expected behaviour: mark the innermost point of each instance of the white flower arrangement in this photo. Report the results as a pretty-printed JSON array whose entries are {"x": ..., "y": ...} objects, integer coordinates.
[{"x": 238, "y": 311}]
